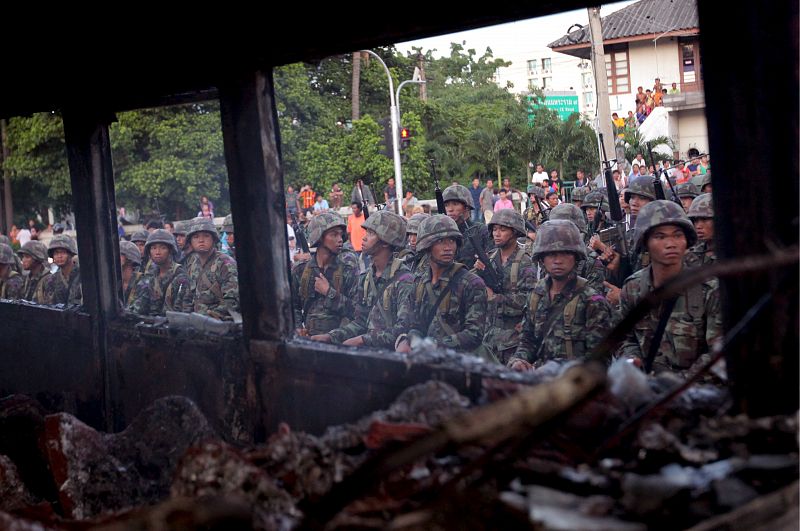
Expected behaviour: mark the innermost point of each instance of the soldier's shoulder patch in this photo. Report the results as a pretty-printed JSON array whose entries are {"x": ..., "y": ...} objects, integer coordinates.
[
  {"x": 596, "y": 298},
  {"x": 405, "y": 276}
]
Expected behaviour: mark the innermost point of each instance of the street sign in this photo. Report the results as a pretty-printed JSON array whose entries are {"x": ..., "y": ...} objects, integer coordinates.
[{"x": 564, "y": 102}]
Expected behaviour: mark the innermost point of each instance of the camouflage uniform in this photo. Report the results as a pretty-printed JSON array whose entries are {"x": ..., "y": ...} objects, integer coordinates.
[
  {"x": 141, "y": 236},
  {"x": 57, "y": 289},
  {"x": 458, "y": 321},
  {"x": 505, "y": 309},
  {"x": 590, "y": 268},
  {"x": 695, "y": 321},
  {"x": 642, "y": 186},
  {"x": 582, "y": 315},
  {"x": 535, "y": 217},
  {"x": 131, "y": 252},
  {"x": 413, "y": 260},
  {"x": 215, "y": 284},
  {"x": 17, "y": 262},
  {"x": 384, "y": 306},
  {"x": 319, "y": 313},
  {"x": 469, "y": 229},
  {"x": 180, "y": 229},
  {"x": 595, "y": 199},
  {"x": 579, "y": 195},
  {"x": 35, "y": 282},
  {"x": 157, "y": 292},
  {"x": 701, "y": 253},
  {"x": 12, "y": 286}
]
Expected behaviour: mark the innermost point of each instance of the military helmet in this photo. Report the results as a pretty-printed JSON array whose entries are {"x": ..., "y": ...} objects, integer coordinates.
[
  {"x": 537, "y": 191},
  {"x": 435, "y": 228},
  {"x": 324, "y": 222},
  {"x": 201, "y": 225},
  {"x": 5, "y": 239},
  {"x": 37, "y": 250},
  {"x": 62, "y": 241},
  {"x": 687, "y": 190},
  {"x": 6, "y": 254},
  {"x": 227, "y": 224},
  {"x": 706, "y": 180},
  {"x": 390, "y": 227},
  {"x": 508, "y": 217},
  {"x": 661, "y": 212},
  {"x": 643, "y": 186},
  {"x": 161, "y": 236},
  {"x": 571, "y": 213},
  {"x": 413, "y": 222},
  {"x": 701, "y": 207},
  {"x": 558, "y": 235},
  {"x": 130, "y": 251},
  {"x": 580, "y": 193},
  {"x": 140, "y": 236},
  {"x": 180, "y": 227},
  {"x": 457, "y": 192},
  {"x": 594, "y": 200}
]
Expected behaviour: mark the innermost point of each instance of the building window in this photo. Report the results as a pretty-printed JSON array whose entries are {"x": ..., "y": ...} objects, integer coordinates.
[
  {"x": 547, "y": 65},
  {"x": 588, "y": 99},
  {"x": 533, "y": 67},
  {"x": 618, "y": 69},
  {"x": 586, "y": 78},
  {"x": 533, "y": 83},
  {"x": 547, "y": 83}
]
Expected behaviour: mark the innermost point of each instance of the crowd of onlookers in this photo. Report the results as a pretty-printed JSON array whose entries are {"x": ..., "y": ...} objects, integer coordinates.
[{"x": 644, "y": 103}]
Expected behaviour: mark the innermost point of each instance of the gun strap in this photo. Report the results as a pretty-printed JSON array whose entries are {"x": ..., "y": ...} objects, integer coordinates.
[
  {"x": 446, "y": 290},
  {"x": 666, "y": 311}
]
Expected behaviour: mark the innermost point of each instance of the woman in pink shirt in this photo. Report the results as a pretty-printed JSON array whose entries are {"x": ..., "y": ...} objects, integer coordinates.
[{"x": 503, "y": 202}]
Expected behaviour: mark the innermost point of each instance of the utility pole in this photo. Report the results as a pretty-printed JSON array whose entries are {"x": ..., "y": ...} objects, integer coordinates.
[
  {"x": 601, "y": 81},
  {"x": 423, "y": 88},
  {"x": 356, "y": 88}
]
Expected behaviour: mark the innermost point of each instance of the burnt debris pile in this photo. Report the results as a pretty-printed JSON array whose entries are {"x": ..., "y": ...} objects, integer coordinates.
[{"x": 583, "y": 449}]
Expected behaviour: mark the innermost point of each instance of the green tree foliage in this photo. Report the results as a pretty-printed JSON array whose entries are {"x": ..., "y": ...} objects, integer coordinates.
[{"x": 634, "y": 143}]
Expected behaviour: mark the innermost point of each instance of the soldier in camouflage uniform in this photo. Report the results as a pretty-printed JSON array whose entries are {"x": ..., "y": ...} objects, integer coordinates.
[
  {"x": 449, "y": 300},
  {"x": 640, "y": 192},
  {"x": 565, "y": 317},
  {"x": 695, "y": 321},
  {"x": 409, "y": 254},
  {"x": 535, "y": 214},
  {"x": 592, "y": 268},
  {"x": 457, "y": 204},
  {"x": 579, "y": 196},
  {"x": 17, "y": 262},
  {"x": 12, "y": 284},
  {"x": 165, "y": 285},
  {"x": 705, "y": 183},
  {"x": 384, "y": 306},
  {"x": 701, "y": 213},
  {"x": 594, "y": 200},
  {"x": 227, "y": 228},
  {"x": 34, "y": 261},
  {"x": 140, "y": 239},
  {"x": 63, "y": 286},
  {"x": 179, "y": 231},
  {"x": 686, "y": 192},
  {"x": 130, "y": 260},
  {"x": 324, "y": 287},
  {"x": 212, "y": 275},
  {"x": 519, "y": 276}
]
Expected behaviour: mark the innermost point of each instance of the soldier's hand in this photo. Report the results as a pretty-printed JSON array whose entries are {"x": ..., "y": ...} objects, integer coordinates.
[
  {"x": 357, "y": 341},
  {"x": 302, "y": 332},
  {"x": 490, "y": 294},
  {"x": 404, "y": 347},
  {"x": 322, "y": 338},
  {"x": 613, "y": 265},
  {"x": 479, "y": 265},
  {"x": 321, "y": 285},
  {"x": 302, "y": 257},
  {"x": 520, "y": 365},
  {"x": 597, "y": 244},
  {"x": 613, "y": 293}
]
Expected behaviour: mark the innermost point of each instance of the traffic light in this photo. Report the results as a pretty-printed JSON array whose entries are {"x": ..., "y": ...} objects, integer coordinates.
[
  {"x": 387, "y": 149},
  {"x": 405, "y": 138}
]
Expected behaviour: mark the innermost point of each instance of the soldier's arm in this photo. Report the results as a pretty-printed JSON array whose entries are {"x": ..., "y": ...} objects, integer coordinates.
[
  {"x": 183, "y": 299},
  {"x": 513, "y": 302},
  {"x": 229, "y": 284},
  {"x": 713, "y": 316},
  {"x": 528, "y": 346},
  {"x": 140, "y": 305},
  {"x": 629, "y": 347},
  {"x": 360, "y": 314},
  {"x": 596, "y": 275},
  {"x": 403, "y": 297},
  {"x": 598, "y": 320},
  {"x": 342, "y": 302},
  {"x": 471, "y": 334}
]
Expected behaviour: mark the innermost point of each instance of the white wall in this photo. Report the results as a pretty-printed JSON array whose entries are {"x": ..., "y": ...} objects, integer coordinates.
[
  {"x": 648, "y": 62},
  {"x": 692, "y": 130}
]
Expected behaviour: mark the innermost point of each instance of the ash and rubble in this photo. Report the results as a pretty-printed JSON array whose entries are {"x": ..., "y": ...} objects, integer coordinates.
[{"x": 687, "y": 464}]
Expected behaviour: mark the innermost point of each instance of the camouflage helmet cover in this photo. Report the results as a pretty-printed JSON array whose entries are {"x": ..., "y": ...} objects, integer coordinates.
[
  {"x": 6, "y": 254},
  {"x": 558, "y": 235},
  {"x": 227, "y": 224},
  {"x": 571, "y": 213},
  {"x": 642, "y": 186},
  {"x": 322, "y": 223},
  {"x": 661, "y": 212},
  {"x": 5, "y": 239},
  {"x": 594, "y": 200},
  {"x": 62, "y": 241},
  {"x": 390, "y": 227},
  {"x": 508, "y": 217},
  {"x": 701, "y": 207},
  {"x": 140, "y": 236},
  {"x": 580, "y": 193},
  {"x": 457, "y": 192},
  {"x": 36, "y": 249},
  {"x": 687, "y": 190},
  {"x": 706, "y": 180},
  {"x": 414, "y": 222},
  {"x": 200, "y": 225},
  {"x": 537, "y": 191},
  {"x": 436, "y": 228},
  {"x": 130, "y": 251},
  {"x": 180, "y": 227},
  {"x": 161, "y": 236}
]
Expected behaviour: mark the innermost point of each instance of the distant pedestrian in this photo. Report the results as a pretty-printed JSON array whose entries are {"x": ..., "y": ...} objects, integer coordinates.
[
  {"x": 503, "y": 202},
  {"x": 476, "y": 190},
  {"x": 307, "y": 196},
  {"x": 204, "y": 200}
]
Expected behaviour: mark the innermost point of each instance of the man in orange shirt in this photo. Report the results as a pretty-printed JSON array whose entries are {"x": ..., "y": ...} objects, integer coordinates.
[
  {"x": 354, "y": 222},
  {"x": 307, "y": 198}
]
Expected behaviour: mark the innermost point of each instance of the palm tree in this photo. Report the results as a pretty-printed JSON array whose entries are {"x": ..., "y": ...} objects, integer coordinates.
[{"x": 634, "y": 143}]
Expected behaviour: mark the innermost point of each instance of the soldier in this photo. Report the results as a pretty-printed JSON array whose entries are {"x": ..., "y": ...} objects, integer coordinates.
[
  {"x": 179, "y": 231},
  {"x": 579, "y": 195},
  {"x": 164, "y": 286},
  {"x": 34, "y": 261},
  {"x": 212, "y": 275},
  {"x": 409, "y": 253},
  {"x": 140, "y": 239},
  {"x": 565, "y": 317},
  {"x": 692, "y": 321},
  {"x": 592, "y": 268},
  {"x": 450, "y": 302},
  {"x": 457, "y": 204},
  {"x": 12, "y": 284},
  {"x": 705, "y": 183},
  {"x": 686, "y": 192},
  {"x": 130, "y": 260},
  {"x": 594, "y": 200},
  {"x": 701, "y": 213},
  {"x": 384, "y": 306},
  {"x": 324, "y": 286},
  {"x": 63, "y": 286},
  {"x": 519, "y": 276},
  {"x": 535, "y": 214},
  {"x": 640, "y": 192},
  {"x": 227, "y": 228},
  {"x": 17, "y": 262}
]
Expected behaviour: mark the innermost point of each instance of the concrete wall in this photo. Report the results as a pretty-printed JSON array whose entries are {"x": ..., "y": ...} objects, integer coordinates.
[
  {"x": 692, "y": 130},
  {"x": 648, "y": 62}
]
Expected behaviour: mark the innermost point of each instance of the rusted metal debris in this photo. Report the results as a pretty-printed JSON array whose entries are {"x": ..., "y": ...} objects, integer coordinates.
[{"x": 519, "y": 462}]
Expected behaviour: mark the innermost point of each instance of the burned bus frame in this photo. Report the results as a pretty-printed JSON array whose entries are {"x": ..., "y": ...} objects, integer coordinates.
[{"x": 104, "y": 370}]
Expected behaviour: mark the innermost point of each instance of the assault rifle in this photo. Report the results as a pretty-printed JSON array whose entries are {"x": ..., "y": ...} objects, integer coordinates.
[
  {"x": 437, "y": 190},
  {"x": 364, "y": 204},
  {"x": 618, "y": 219},
  {"x": 299, "y": 234},
  {"x": 659, "y": 189},
  {"x": 490, "y": 276}
]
